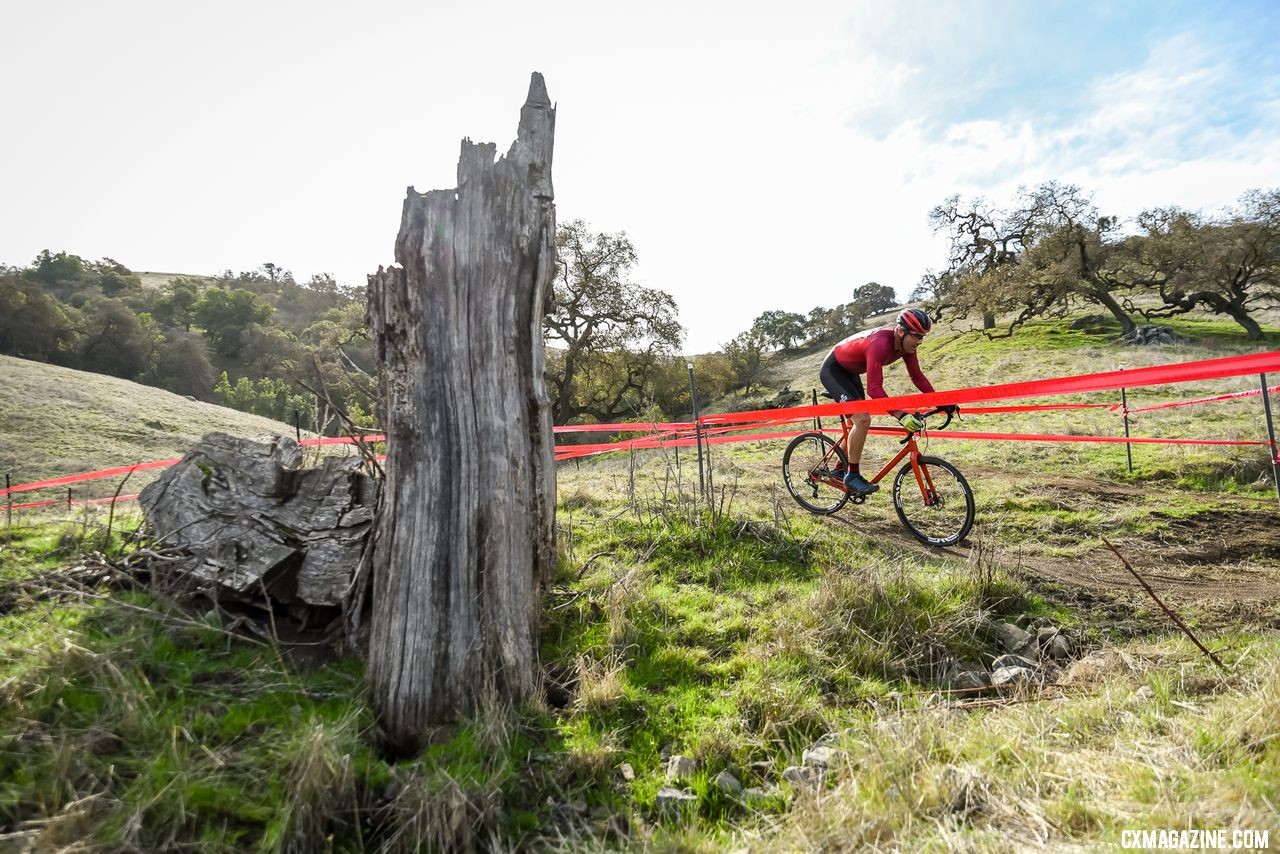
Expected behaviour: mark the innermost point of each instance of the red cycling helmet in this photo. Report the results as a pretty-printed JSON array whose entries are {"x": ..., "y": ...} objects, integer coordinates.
[{"x": 915, "y": 320}]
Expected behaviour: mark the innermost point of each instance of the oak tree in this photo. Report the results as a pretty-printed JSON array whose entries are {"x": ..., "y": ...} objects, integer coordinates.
[{"x": 606, "y": 335}]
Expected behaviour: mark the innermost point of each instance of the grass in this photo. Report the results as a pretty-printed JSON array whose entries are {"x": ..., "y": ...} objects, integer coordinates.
[
  {"x": 736, "y": 633},
  {"x": 56, "y": 421}
]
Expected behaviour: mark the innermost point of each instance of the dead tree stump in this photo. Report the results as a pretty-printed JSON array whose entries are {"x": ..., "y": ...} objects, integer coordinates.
[{"x": 464, "y": 541}]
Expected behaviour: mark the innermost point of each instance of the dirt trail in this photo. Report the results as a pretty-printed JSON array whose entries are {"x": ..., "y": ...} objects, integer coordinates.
[
  {"x": 1227, "y": 554},
  {"x": 1222, "y": 563}
]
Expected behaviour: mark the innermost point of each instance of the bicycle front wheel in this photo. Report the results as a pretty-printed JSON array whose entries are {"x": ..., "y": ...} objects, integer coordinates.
[
  {"x": 807, "y": 467},
  {"x": 938, "y": 505}
]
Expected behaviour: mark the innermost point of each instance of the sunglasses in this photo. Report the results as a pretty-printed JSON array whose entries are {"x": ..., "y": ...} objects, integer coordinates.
[{"x": 919, "y": 336}]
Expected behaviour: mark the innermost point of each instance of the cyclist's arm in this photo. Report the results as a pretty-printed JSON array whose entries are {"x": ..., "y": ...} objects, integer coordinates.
[{"x": 912, "y": 361}]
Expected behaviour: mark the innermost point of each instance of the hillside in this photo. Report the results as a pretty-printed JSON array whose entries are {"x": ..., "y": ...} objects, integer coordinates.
[
  {"x": 155, "y": 281},
  {"x": 56, "y": 421},
  {"x": 728, "y": 675},
  {"x": 958, "y": 356}
]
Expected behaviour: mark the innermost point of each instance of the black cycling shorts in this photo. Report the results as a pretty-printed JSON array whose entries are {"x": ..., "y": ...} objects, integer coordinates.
[{"x": 839, "y": 382}]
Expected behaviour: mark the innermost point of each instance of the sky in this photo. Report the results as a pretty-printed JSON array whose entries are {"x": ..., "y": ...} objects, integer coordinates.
[{"x": 758, "y": 158}]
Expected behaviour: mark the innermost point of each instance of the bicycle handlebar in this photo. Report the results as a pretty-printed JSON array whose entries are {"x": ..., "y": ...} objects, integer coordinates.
[
  {"x": 932, "y": 412},
  {"x": 950, "y": 414}
]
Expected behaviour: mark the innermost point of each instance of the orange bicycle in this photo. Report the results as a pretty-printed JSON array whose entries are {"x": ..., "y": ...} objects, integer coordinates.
[{"x": 932, "y": 498}]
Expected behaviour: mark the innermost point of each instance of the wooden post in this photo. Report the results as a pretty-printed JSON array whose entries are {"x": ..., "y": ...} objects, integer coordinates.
[{"x": 465, "y": 539}]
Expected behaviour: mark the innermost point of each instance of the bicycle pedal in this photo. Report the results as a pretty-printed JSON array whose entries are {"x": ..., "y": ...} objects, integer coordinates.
[{"x": 857, "y": 497}]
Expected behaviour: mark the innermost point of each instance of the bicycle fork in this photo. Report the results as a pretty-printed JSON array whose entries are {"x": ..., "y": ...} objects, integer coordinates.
[{"x": 924, "y": 480}]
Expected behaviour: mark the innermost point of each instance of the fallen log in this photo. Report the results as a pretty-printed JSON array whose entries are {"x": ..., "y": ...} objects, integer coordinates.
[{"x": 250, "y": 520}]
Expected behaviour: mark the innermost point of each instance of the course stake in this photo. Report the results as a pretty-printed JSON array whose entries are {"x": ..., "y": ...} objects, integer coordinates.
[
  {"x": 1128, "y": 448},
  {"x": 697, "y": 430},
  {"x": 1271, "y": 435},
  {"x": 1177, "y": 621}
]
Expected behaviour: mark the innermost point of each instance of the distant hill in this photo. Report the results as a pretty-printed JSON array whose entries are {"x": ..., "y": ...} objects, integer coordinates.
[
  {"x": 155, "y": 281},
  {"x": 56, "y": 421},
  {"x": 957, "y": 355}
]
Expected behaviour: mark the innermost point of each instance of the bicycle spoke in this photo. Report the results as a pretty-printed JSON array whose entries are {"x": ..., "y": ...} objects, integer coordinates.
[
  {"x": 807, "y": 470},
  {"x": 935, "y": 502}
]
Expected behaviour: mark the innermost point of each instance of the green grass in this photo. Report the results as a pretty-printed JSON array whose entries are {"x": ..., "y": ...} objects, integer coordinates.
[
  {"x": 735, "y": 633},
  {"x": 736, "y": 637},
  {"x": 169, "y": 730}
]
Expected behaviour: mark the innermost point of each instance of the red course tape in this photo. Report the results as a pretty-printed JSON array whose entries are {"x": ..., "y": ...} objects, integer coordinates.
[{"x": 714, "y": 427}]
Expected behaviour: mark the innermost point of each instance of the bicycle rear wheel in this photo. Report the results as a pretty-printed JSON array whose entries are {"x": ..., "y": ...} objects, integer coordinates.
[
  {"x": 941, "y": 514},
  {"x": 806, "y": 469}
]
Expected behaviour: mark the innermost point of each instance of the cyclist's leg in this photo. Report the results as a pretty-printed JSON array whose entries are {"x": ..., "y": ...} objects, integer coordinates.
[
  {"x": 853, "y": 452},
  {"x": 844, "y": 385},
  {"x": 858, "y": 437}
]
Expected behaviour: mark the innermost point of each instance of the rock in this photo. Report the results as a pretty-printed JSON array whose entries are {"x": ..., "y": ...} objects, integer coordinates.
[
  {"x": 830, "y": 739},
  {"x": 671, "y": 801},
  {"x": 1057, "y": 647},
  {"x": 1149, "y": 335},
  {"x": 681, "y": 768},
  {"x": 728, "y": 783},
  {"x": 1012, "y": 661},
  {"x": 1029, "y": 651},
  {"x": 971, "y": 680},
  {"x": 1146, "y": 692},
  {"x": 756, "y": 797},
  {"x": 628, "y": 773},
  {"x": 1010, "y": 637},
  {"x": 957, "y": 676},
  {"x": 1012, "y": 676},
  {"x": 1091, "y": 320},
  {"x": 1095, "y": 667},
  {"x": 804, "y": 778},
  {"x": 820, "y": 757}
]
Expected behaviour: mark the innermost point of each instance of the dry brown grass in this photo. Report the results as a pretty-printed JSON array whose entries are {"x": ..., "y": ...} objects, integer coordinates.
[
  {"x": 55, "y": 421},
  {"x": 601, "y": 683}
]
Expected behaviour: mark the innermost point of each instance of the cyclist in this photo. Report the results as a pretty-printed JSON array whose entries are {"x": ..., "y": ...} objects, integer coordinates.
[{"x": 868, "y": 352}]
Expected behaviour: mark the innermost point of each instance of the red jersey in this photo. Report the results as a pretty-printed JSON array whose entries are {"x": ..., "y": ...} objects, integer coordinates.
[{"x": 869, "y": 351}]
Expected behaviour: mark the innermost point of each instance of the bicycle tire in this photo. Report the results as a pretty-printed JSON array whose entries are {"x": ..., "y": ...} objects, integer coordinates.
[
  {"x": 804, "y": 455},
  {"x": 948, "y": 520}
]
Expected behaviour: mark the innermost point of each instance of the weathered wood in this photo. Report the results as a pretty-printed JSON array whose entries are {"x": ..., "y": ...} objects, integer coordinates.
[
  {"x": 465, "y": 537},
  {"x": 251, "y": 519}
]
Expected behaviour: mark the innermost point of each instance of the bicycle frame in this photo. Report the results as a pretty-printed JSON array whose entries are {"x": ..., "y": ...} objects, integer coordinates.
[{"x": 909, "y": 448}]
